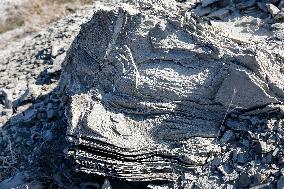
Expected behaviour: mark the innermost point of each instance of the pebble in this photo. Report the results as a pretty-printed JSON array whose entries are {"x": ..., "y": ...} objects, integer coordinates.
[
  {"x": 21, "y": 99},
  {"x": 281, "y": 159},
  {"x": 41, "y": 115},
  {"x": 246, "y": 143},
  {"x": 233, "y": 176},
  {"x": 243, "y": 181},
  {"x": 227, "y": 136},
  {"x": 56, "y": 49},
  {"x": 268, "y": 159},
  {"x": 106, "y": 185},
  {"x": 224, "y": 169},
  {"x": 280, "y": 15},
  {"x": 282, "y": 171},
  {"x": 275, "y": 152},
  {"x": 272, "y": 9},
  {"x": 49, "y": 105},
  {"x": 281, "y": 4},
  {"x": 261, "y": 147},
  {"x": 50, "y": 113},
  {"x": 48, "y": 136},
  {"x": 57, "y": 63},
  {"x": 242, "y": 157},
  {"x": 7, "y": 95}
]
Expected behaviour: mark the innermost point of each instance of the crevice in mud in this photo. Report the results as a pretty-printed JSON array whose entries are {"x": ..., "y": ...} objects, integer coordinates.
[{"x": 133, "y": 158}]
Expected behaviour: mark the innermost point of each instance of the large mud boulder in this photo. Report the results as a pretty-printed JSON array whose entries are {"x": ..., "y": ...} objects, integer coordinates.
[{"x": 147, "y": 89}]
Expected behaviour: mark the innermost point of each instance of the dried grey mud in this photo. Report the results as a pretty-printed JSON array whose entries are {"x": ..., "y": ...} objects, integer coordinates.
[
  {"x": 156, "y": 95},
  {"x": 149, "y": 86}
]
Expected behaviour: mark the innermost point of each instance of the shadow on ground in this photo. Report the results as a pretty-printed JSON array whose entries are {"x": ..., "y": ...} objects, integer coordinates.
[{"x": 32, "y": 144}]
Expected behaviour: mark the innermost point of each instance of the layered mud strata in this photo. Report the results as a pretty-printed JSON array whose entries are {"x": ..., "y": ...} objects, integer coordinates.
[{"x": 148, "y": 86}]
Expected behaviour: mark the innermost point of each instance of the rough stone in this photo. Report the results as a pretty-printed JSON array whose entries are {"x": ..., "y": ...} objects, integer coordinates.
[
  {"x": 275, "y": 152},
  {"x": 7, "y": 98},
  {"x": 244, "y": 180},
  {"x": 21, "y": 99},
  {"x": 244, "y": 4},
  {"x": 272, "y": 9},
  {"x": 219, "y": 14},
  {"x": 47, "y": 136},
  {"x": 208, "y": 2},
  {"x": 261, "y": 147},
  {"x": 280, "y": 15},
  {"x": 202, "y": 11},
  {"x": 242, "y": 157},
  {"x": 281, "y": 4},
  {"x": 227, "y": 136},
  {"x": 106, "y": 185},
  {"x": 50, "y": 113}
]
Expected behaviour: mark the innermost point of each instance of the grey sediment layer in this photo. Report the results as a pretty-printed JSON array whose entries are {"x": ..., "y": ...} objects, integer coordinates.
[{"x": 147, "y": 94}]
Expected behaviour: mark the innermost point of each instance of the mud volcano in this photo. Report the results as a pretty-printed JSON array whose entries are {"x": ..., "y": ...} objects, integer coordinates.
[{"x": 148, "y": 86}]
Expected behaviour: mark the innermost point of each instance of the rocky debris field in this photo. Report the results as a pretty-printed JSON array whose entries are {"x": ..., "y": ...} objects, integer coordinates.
[
  {"x": 32, "y": 119},
  {"x": 210, "y": 72}
]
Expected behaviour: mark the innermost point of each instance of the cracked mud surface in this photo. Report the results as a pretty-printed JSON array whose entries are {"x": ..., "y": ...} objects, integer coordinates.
[{"x": 178, "y": 95}]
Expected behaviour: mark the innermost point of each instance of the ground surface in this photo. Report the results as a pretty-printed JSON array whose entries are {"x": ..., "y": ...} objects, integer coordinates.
[
  {"x": 20, "y": 18},
  {"x": 33, "y": 125},
  {"x": 32, "y": 138}
]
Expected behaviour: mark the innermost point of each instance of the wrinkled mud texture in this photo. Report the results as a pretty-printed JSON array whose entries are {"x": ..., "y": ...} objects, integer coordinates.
[
  {"x": 150, "y": 87},
  {"x": 156, "y": 95}
]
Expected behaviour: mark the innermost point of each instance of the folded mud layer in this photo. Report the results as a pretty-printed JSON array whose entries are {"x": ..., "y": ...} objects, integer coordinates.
[{"x": 147, "y": 89}]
